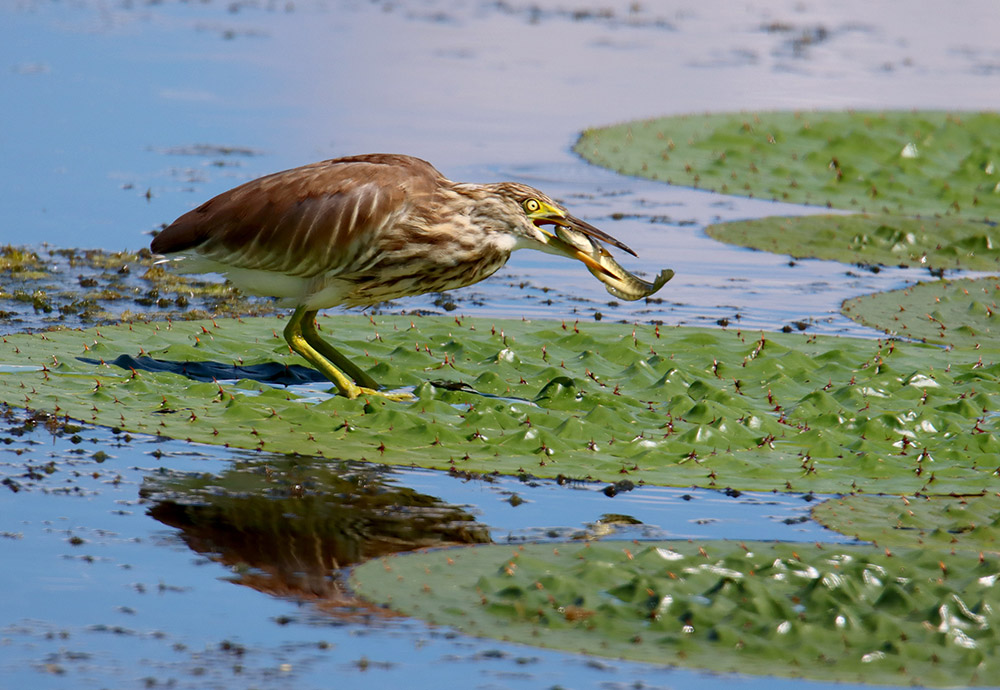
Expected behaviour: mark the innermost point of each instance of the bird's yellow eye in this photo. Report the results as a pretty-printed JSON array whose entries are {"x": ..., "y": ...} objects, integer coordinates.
[{"x": 532, "y": 205}]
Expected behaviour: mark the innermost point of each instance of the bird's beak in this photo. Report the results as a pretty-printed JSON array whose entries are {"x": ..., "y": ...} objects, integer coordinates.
[{"x": 550, "y": 215}]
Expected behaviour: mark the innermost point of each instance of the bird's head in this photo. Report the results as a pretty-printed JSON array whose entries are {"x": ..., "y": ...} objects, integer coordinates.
[{"x": 534, "y": 216}]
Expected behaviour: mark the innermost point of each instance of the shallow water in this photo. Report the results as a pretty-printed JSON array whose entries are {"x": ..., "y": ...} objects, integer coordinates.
[
  {"x": 97, "y": 593},
  {"x": 133, "y": 112},
  {"x": 129, "y": 112}
]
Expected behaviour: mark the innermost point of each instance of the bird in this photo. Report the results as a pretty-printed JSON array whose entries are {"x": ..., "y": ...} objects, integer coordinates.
[{"x": 359, "y": 230}]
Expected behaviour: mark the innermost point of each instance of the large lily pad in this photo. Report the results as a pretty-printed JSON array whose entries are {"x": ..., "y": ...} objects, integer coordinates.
[
  {"x": 833, "y": 612},
  {"x": 954, "y": 312},
  {"x": 945, "y": 523},
  {"x": 603, "y": 401},
  {"x": 933, "y": 243},
  {"x": 910, "y": 162}
]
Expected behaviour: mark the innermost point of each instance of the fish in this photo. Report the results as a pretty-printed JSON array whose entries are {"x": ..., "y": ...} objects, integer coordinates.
[{"x": 617, "y": 281}]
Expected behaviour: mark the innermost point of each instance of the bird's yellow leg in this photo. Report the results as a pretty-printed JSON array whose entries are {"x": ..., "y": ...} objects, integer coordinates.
[
  {"x": 295, "y": 336},
  {"x": 297, "y": 341},
  {"x": 339, "y": 360}
]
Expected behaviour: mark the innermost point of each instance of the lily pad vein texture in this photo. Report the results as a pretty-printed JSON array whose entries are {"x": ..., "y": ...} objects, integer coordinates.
[
  {"x": 958, "y": 313},
  {"x": 669, "y": 406},
  {"x": 906, "y": 162},
  {"x": 943, "y": 523},
  {"x": 935, "y": 243},
  {"x": 825, "y": 612}
]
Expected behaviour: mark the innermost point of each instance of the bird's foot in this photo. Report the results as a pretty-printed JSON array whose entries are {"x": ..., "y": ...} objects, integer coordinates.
[{"x": 394, "y": 396}]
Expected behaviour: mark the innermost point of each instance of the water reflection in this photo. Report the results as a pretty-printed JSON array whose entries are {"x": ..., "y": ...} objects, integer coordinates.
[{"x": 286, "y": 526}]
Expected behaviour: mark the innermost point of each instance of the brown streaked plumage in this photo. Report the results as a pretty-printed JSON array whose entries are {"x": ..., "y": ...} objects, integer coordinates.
[{"x": 361, "y": 230}]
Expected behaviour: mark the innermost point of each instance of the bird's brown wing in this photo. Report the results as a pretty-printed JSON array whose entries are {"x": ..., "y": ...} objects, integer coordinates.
[{"x": 305, "y": 221}]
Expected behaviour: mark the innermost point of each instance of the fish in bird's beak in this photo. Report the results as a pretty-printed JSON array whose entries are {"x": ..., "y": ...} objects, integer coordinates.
[
  {"x": 573, "y": 236},
  {"x": 546, "y": 214},
  {"x": 580, "y": 240}
]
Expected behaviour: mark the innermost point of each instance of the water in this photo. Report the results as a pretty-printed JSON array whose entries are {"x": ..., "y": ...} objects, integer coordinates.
[
  {"x": 99, "y": 594},
  {"x": 119, "y": 115}
]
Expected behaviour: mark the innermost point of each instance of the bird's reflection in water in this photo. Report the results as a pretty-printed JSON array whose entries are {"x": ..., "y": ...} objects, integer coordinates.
[{"x": 285, "y": 526}]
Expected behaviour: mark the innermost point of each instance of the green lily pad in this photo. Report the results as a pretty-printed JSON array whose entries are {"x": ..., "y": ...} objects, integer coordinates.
[
  {"x": 934, "y": 243},
  {"x": 602, "y": 401},
  {"x": 833, "y": 612},
  {"x": 911, "y": 162},
  {"x": 942, "y": 523},
  {"x": 954, "y": 312}
]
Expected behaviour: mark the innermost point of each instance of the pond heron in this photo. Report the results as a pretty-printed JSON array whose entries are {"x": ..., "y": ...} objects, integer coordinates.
[{"x": 361, "y": 230}]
